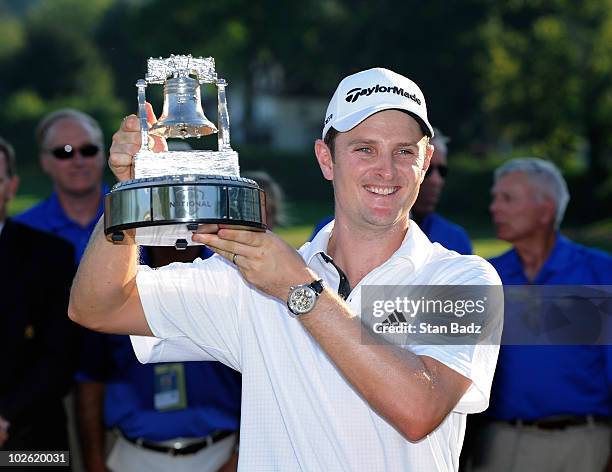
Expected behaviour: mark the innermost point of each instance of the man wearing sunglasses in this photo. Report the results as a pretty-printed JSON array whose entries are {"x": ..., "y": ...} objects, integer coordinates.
[
  {"x": 71, "y": 153},
  {"x": 437, "y": 228}
]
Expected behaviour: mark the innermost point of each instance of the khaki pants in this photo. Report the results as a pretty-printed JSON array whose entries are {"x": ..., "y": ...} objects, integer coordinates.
[
  {"x": 127, "y": 457},
  {"x": 502, "y": 447}
]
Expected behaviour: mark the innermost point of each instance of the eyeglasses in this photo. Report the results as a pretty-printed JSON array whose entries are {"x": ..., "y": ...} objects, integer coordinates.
[
  {"x": 68, "y": 152},
  {"x": 442, "y": 170}
]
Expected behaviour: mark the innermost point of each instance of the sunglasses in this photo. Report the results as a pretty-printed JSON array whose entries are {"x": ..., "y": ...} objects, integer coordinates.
[
  {"x": 442, "y": 170},
  {"x": 68, "y": 152}
]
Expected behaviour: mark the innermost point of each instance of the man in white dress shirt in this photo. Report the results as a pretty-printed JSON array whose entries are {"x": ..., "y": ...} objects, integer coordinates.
[{"x": 315, "y": 396}]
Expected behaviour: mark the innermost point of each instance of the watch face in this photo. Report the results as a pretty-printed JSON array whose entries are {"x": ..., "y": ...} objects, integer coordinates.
[{"x": 302, "y": 299}]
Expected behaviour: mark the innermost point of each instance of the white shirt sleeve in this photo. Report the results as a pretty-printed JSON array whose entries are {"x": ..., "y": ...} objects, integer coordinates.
[
  {"x": 476, "y": 361},
  {"x": 193, "y": 310}
]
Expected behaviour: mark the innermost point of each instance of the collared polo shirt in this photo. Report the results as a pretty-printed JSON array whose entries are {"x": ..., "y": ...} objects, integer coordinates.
[
  {"x": 49, "y": 216},
  {"x": 535, "y": 382},
  {"x": 298, "y": 411}
]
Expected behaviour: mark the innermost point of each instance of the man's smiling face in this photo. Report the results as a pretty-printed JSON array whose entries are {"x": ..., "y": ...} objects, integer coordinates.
[{"x": 378, "y": 168}]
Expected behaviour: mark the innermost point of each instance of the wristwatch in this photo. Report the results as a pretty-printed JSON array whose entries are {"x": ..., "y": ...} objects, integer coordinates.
[{"x": 302, "y": 298}]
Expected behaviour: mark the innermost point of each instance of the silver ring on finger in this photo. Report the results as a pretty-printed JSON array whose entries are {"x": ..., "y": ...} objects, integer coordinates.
[{"x": 234, "y": 258}]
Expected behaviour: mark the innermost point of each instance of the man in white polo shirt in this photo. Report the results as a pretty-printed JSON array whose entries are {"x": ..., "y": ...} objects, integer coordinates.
[{"x": 315, "y": 395}]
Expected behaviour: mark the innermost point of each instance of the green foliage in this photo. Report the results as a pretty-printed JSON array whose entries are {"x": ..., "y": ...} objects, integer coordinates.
[
  {"x": 11, "y": 37},
  {"x": 546, "y": 83},
  {"x": 68, "y": 17},
  {"x": 54, "y": 62},
  {"x": 23, "y": 105}
]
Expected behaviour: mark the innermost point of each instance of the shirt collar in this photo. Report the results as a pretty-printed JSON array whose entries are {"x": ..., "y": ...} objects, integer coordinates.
[
  {"x": 560, "y": 256},
  {"x": 318, "y": 244},
  {"x": 557, "y": 260},
  {"x": 57, "y": 218},
  {"x": 416, "y": 247}
]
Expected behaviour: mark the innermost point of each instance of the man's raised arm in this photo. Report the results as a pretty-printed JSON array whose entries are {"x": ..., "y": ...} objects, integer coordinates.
[
  {"x": 414, "y": 393},
  {"x": 104, "y": 295}
]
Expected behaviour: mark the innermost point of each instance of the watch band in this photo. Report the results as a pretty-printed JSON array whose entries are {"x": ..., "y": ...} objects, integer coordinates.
[
  {"x": 318, "y": 286},
  {"x": 293, "y": 301}
]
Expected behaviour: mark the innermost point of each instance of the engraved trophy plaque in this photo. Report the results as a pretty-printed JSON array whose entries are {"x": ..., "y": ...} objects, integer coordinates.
[{"x": 174, "y": 191}]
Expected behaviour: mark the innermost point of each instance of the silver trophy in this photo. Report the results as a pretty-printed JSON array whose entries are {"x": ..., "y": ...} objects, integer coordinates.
[{"x": 174, "y": 191}]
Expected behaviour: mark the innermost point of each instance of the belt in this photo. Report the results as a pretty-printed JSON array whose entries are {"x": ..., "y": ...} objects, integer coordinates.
[
  {"x": 561, "y": 422},
  {"x": 181, "y": 450}
]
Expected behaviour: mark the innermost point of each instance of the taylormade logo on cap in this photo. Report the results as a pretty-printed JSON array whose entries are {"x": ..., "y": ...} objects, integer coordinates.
[
  {"x": 354, "y": 94},
  {"x": 361, "y": 95}
]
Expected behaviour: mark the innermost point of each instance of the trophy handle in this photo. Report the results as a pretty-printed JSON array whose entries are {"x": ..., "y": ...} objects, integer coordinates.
[
  {"x": 142, "y": 114},
  {"x": 223, "y": 138}
]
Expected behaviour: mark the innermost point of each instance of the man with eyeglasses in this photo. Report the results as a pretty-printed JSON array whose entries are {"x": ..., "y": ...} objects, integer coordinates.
[
  {"x": 437, "y": 228},
  {"x": 71, "y": 153}
]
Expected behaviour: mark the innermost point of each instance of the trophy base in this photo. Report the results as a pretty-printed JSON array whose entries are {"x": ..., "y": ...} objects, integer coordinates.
[{"x": 165, "y": 211}]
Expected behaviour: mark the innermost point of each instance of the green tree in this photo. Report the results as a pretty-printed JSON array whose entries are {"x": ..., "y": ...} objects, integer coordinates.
[
  {"x": 57, "y": 64},
  {"x": 547, "y": 83}
]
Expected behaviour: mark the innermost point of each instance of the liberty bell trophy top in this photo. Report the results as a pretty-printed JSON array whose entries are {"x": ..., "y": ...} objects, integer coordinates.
[{"x": 183, "y": 117}]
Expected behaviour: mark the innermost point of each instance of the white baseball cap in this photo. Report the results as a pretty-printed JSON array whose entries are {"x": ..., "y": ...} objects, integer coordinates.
[{"x": 361, "y": 95}]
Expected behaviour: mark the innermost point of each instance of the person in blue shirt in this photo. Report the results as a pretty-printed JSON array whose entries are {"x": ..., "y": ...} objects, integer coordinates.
[
  {"x": 551, "y": 405},
  {"x": 71, "y": 153},
  {"x": 437, "y": 228}
]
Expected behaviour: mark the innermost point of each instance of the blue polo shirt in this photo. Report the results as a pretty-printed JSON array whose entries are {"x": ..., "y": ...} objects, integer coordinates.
[
  {"x": 49, "y": 216},
  {"x": 450, "y": 235},
  {"x": 437, "y": 229},
  {"x": 212, "y": 392},
  {"x": 533, "y": 382}
]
